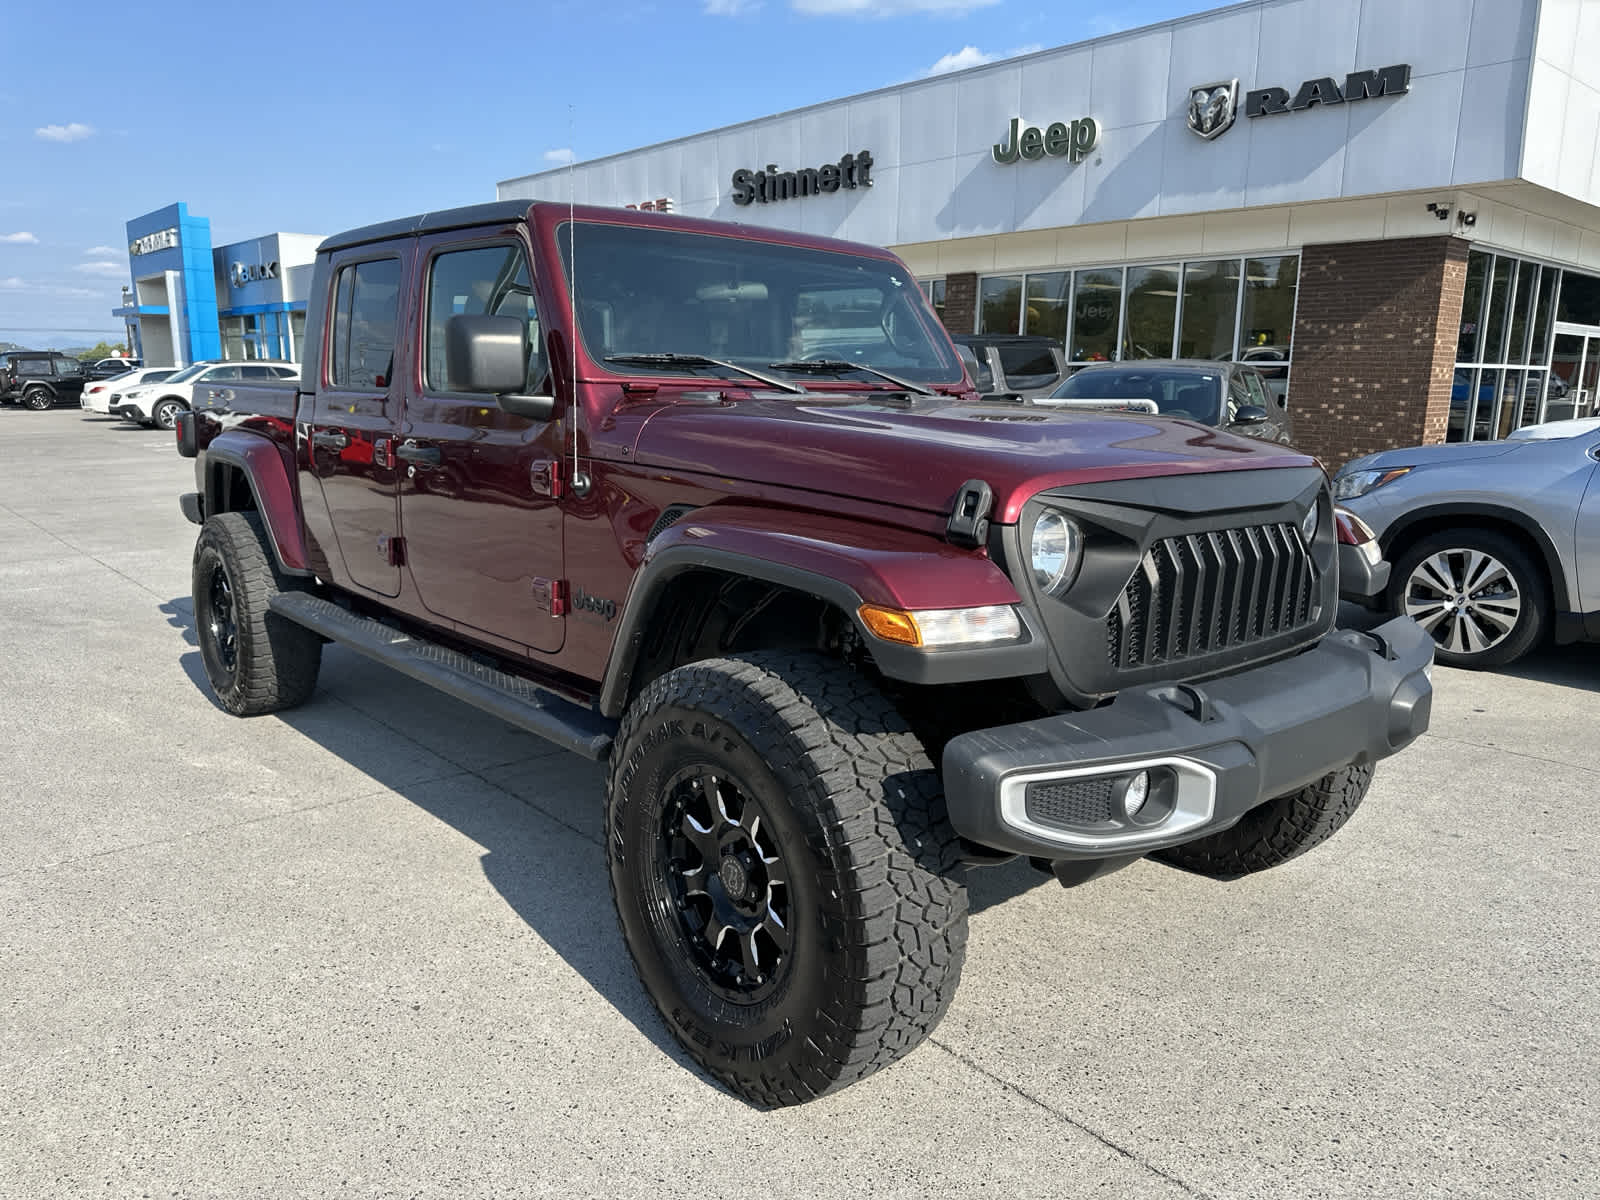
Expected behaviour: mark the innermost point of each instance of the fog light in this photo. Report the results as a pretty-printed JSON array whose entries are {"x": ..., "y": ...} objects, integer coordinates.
[{"x": 1134, "y": 794}]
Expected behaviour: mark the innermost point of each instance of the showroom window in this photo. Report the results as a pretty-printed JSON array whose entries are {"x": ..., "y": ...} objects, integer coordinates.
[
  {"x": 933, "y": 289},
  {"x": 1226, "y": 309},
  {"x": 1512, "y": 363}
]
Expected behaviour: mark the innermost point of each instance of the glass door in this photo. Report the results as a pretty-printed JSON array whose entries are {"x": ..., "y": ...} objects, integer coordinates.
[{"x": 1574, "y": 375}]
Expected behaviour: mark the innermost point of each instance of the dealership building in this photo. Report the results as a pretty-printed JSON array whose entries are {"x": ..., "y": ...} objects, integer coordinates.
[
  {"x": 1393, "y": 206},
  {"x": 190, "y": 301}
]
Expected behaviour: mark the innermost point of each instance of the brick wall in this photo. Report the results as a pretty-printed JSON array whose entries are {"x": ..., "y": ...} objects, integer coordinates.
[
  {"x": 961, "y": 302},
  {"x": 1374, "y": 344}
]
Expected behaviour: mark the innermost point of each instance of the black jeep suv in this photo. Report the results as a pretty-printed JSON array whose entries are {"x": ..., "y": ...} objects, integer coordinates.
[{"x": 40, "y": 379}]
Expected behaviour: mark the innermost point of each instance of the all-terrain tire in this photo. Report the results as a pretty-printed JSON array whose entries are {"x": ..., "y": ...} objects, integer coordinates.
[
  {"x": 38, "y": 399},
  {"x": 257, "y": 661},
  {"x": 1273, "y": 833},
  {"x": 841, "y": 804}
]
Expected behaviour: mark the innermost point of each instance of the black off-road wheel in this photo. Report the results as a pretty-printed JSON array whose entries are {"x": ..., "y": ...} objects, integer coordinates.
[
  {"x": 38, "y": 399},
  {"x": 785, "y": 875},
  {"x": 257, "y": 661},
  {"x": 1275, "y": 832}
]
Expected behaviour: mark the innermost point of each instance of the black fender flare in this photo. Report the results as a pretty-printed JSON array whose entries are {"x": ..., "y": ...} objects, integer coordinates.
[
  {"x": 911, "y": 664},
  {"x": 271, "y": 485}
]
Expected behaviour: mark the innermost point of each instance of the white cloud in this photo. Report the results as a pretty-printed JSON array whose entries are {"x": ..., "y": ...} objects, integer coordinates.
[
  {"x": 11, "y": 284},
  {"x": 561, "y": 156},
  {"x": 103, "y": 252},
  {"x": 971, "y": 56},
  {"x": 730, "y": 8},
  {"x": 102, "y": 268},
  {"x": 967, "y": 56},
  {"x": 24, "y": 238},
  {"x": 888, "y": 8},
  {"x": 75, "y": 132}
]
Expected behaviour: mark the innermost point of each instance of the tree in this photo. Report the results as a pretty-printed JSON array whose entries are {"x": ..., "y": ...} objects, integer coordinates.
[{"x": 102, "y": 350}]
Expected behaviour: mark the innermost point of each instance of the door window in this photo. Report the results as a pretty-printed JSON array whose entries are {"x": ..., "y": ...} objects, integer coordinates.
[
  {"x": 220, "y": 375},
  {"x": 366, "y": 305},
  {"x": 485, "y": 280}
]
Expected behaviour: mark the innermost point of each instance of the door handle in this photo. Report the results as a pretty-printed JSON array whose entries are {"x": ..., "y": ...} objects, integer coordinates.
[
  {"x": 428, "y": 456},
  {"x": 330, "y": 441}
]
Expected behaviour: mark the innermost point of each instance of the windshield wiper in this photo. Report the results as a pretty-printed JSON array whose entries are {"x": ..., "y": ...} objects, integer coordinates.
[
  {"x": 839, "y": 364},
  {"x": 700, "y": 360}
]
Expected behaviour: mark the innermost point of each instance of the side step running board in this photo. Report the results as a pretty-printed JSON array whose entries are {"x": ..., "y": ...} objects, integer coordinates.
[{"x": 509, "y": 697}]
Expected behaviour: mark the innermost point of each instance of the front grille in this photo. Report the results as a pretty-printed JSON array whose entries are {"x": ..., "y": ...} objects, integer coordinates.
[
  {"x": 1200, "y": 593},
  {"x": 1069, "y": 802}
]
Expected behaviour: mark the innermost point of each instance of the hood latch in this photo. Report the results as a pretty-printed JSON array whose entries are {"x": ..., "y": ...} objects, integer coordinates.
[{"x": 969, "y": 515}]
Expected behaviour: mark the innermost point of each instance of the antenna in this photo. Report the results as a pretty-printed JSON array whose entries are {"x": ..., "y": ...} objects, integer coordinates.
[{"x": 580, "y": 482}]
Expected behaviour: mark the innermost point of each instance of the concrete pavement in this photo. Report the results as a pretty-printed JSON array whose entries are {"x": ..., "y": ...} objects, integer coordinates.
[{"x": 367, "y": 948}]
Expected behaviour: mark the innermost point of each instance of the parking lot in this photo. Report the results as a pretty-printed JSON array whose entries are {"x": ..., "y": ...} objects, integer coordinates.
[{"x": 367, "y": 948}]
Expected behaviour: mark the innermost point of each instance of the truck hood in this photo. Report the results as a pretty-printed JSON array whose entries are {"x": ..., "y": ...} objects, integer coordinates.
[
  {"x": 917, "y": 455},
  {"x": 1427, "y": 456}
]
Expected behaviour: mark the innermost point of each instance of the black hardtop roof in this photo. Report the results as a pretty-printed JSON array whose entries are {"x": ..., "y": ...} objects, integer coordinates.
[{"x": 429, "y": 222}]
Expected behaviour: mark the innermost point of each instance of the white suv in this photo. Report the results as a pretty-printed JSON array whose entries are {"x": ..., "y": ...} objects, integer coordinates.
[
  {"x": 98, "y": 394},
  {"x": 160, "y": 403}
]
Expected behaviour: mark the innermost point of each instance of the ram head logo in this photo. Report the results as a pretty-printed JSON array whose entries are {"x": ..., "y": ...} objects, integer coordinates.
[{"x": 1213, "y": 107}]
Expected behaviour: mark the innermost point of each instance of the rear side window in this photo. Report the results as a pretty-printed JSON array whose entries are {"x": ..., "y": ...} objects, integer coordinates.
[
  {"x": 485, "y": 280},
  {"x": 366, "y": 304},
  {"x": 34, "y": 366}
]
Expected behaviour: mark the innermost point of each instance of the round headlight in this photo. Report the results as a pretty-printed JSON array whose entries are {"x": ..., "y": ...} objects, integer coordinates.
[
  {"x": 1055, "y": 551},
  {"x": 1308, "y": 523}
]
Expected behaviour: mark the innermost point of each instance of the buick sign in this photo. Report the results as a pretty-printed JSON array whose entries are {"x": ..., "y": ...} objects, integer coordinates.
[{"x": 1213, "y": 107}]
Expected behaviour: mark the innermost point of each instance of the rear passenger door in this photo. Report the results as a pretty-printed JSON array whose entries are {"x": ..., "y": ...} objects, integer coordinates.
[
  {"x": 478, "y": 508},
  {"x": 357, "y": 408}
]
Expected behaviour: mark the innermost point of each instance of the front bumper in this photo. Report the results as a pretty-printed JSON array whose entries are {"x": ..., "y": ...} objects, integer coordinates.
[
  {"x": 1223, "y": 746},
  {"x": 1363, "y": 573}
]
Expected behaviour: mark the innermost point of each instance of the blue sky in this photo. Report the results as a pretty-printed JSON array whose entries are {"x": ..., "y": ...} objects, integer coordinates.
[{"x": 338, "y": 114}]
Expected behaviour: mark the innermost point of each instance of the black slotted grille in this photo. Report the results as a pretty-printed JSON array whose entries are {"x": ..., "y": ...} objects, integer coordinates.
[
  {"x": 1069, "y": 802},
  {"x": 1201, "y": 593}
]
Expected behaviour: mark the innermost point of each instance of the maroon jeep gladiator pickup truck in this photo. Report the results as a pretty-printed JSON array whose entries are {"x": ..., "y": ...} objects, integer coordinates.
[{"x": 720, "y": 506}]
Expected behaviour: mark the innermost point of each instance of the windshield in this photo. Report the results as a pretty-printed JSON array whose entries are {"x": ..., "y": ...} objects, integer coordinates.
[
  {"x": 754, "y": 304},
  {"x": 188, "y": 373},
  {"x": 1196, "y": 395}
]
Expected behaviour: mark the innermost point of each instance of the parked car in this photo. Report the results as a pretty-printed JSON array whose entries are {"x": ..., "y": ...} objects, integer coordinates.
[
  {"x": 1231, "y": 396},
  {"x": 1012, "y": 366},
  {"x": 109, "y": 368},
  {"x": 160, "y": 403},
  {"x": 1494, "y": 545},
  {"x": 104, "y": 395},
  {"x": 839, "y": 629},
  {"x": 41, "y": 378}
]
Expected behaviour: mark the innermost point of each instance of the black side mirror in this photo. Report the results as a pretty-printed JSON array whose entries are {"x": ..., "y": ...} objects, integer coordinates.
[
  {"x": 1249, "y": 414},
  {"x": 490, "y": 354}
]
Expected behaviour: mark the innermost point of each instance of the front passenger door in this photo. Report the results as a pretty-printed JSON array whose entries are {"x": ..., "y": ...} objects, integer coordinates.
[{"x": 478, "y": 502}]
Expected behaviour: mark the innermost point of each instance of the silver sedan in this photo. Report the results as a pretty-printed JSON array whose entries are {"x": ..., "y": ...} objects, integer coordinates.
[{"x": 1494, "y": 546}]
